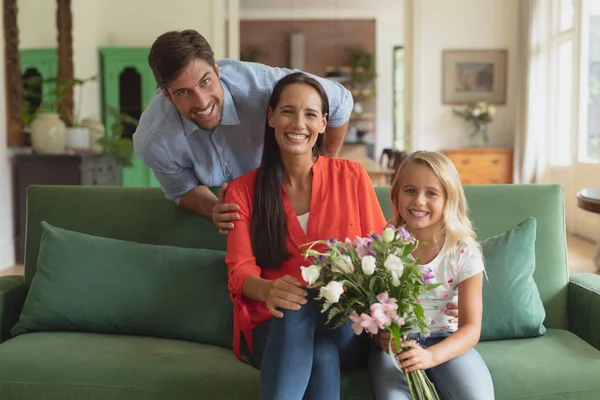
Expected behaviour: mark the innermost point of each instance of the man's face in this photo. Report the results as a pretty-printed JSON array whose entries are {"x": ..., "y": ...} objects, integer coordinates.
[{"x": 197, "y": 94}]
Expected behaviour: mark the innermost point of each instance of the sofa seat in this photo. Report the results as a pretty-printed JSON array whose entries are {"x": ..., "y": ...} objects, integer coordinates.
[
  {"x": 558, "y": 365},
  {"x": 61, "y": 365},
  {"x": 65, "y": 365}
]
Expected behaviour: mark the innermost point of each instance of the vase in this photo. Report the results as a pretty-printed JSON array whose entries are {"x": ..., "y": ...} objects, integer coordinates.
[
  {"x": 78, "y": 138},
  {"x": 97, "y": 132},
  {"x": 479, "y": 137},
  {"x": 48, "y": 134}
]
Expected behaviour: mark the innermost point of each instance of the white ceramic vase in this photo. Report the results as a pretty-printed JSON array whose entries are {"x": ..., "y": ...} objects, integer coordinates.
[
  {"x": 97, "y": 132},
  {"x": 78, "y": 138},
  {"x": 48, "y": 134}
]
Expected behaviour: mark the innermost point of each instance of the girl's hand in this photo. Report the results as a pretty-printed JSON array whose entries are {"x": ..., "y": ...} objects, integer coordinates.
[
  {"x": 416, "y": 358},
  {"x": 286, "y": 293}
]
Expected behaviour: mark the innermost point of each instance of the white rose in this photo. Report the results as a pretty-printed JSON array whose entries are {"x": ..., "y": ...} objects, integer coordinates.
[
  {"x": 310, "y": 274},
  {"x": 343, "y": 265},
  {"x": 394, "y": 264},
  {"x": 332, "y": 291},
  {"x": 387, "y": 235},
  {"x": 368, "y": 265},
  {"x": 395, "y": 279}
]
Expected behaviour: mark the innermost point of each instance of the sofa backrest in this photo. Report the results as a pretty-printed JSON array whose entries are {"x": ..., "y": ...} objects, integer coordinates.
[{"x": 144, "y": 215}]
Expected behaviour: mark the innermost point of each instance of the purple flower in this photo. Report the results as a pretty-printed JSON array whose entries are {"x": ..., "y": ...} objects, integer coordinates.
[
  {"x": 322, "y": 259},
  {"x": 363, "y": 246},
  {"x": 375, "y": 236},
  {"x": 427, "y": 275},
  {"x": 331, "y": 241},
  {"x": 405, "y": 235}
]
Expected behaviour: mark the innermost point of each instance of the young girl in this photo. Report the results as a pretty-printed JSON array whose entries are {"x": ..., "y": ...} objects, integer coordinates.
[{"x": 429, "y": 201}]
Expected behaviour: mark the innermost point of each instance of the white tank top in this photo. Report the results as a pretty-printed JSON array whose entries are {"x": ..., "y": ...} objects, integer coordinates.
[{"x": 303, "y": 219}]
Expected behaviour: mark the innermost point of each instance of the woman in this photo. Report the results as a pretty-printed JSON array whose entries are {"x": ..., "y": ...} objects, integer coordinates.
[{"x": 293, "y": 198}]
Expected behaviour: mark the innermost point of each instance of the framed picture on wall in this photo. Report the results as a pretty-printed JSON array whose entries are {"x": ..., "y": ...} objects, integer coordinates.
[{"x": 474, "y": 75}]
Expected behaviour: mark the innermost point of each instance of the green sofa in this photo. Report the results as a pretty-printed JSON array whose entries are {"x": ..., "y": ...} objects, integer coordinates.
[{"x": 564, "y": 363}]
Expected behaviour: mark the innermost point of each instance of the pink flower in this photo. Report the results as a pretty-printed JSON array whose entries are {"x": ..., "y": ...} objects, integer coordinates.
[
  {"x": 385, "y": 311},
  {"x": 380, "y": 315},
  {"x": 384, "y": 298},
  {"x": 363, "y": 322}
]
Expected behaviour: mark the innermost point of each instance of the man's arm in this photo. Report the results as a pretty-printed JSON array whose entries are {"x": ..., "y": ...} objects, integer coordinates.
[
  {"x": 202, "y": 201},
  {"x": 334, "y": 139},
  {"x": 183, "y": 186}
]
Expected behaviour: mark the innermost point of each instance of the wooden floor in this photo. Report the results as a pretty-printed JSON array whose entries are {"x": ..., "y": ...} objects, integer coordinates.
[{"x": 580, "y": 253}]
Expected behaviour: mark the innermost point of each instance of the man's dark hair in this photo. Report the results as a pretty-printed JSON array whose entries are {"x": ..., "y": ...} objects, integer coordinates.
[{"x": 172, "y": 52}]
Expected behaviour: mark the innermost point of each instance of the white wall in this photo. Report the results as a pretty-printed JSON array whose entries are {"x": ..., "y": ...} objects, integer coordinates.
[
  {"x": 459, "y": 24},
  {"x": 7, "y": 250},
  {"x": 389, "y": 16},
  {"x": 37, "y": 23}
]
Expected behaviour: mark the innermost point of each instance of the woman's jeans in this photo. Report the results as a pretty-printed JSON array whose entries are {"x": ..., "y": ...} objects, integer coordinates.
[
  {"x": 300, "y": 357},
  {"x": 465, "y": 377}
]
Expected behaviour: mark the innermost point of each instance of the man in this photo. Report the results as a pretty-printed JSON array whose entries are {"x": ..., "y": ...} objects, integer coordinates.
[{"x": 205, "y": 125}]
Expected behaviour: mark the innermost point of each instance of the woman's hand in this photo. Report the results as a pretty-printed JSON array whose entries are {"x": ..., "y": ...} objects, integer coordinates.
[
  {"x": 286, "y": 293},
  {"x": 416, "y": 358}
]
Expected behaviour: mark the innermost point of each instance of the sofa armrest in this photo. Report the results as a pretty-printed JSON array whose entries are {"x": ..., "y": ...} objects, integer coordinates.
[
  {"x": 12, "y": 298},
  {"x": 584, "y": 307}
]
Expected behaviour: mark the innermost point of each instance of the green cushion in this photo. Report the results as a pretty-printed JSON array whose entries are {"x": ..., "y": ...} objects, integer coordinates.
[
  {"x": 558, "y": 365},
  {"x": 63, "y": 365},
  {"x": 512, "y": 307},
  {"x": 94, "y": 284}
]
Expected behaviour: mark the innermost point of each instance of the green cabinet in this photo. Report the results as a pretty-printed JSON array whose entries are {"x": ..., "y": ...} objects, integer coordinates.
[
  {"x": 127, "y": 85},
  {"x": 36, "y": 63}
]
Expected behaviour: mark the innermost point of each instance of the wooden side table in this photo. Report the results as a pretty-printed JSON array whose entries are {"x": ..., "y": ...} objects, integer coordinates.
[
  {"x": 589, "y": 200},
  {"x": 483, "y": 165}
]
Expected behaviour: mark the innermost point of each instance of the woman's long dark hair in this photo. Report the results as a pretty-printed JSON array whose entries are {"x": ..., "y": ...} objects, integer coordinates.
[{"x": 269, "y": 227}]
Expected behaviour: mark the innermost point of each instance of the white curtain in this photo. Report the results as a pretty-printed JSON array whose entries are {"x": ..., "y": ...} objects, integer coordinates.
[{"x": 534, "y": 60}]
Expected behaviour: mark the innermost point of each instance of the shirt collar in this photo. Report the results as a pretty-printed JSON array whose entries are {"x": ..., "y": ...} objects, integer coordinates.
[{"x": 230, "y": 116}]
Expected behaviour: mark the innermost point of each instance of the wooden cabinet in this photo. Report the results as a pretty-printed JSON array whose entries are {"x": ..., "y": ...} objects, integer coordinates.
[
  {"x": 483, "y": 166},
  {"x": 62, "y": 169}
]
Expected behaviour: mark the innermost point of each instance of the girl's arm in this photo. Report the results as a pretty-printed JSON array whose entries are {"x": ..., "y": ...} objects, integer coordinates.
[{"x": 470, "y": 307}]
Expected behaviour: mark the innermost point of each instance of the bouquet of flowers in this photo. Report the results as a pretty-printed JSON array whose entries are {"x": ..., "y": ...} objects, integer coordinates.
[
  {"x": 481, "y": 114},
  {"x": 375, "y": 282}
]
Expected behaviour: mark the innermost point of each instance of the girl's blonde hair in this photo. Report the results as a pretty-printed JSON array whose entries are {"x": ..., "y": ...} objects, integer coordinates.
[{"x": 457, "y": 227}]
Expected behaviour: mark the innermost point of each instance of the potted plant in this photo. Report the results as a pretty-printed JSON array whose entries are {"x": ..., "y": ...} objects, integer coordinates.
[
  {"x": 480, "y": 114},
  {"x": 115, "y": 145},
  {"x": 363, "y": 73},
  {"x": 50, "y": 134}
]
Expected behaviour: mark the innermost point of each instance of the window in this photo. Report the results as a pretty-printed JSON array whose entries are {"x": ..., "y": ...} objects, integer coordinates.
[
  {"x": 589, "y": 133},
  {"x": 562, "y": 41},
  {"x": 399, "y": 138}
]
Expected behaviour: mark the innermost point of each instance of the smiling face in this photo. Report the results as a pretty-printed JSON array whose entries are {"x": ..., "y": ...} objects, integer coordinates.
[
  {"x": 421, "y": 199},
  {"x": 197, "y": 94},
  {"x": 297, "y": 119}
]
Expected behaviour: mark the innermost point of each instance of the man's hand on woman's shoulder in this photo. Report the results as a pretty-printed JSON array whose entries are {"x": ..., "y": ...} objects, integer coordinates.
[{"x": 223, "y": 214}]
